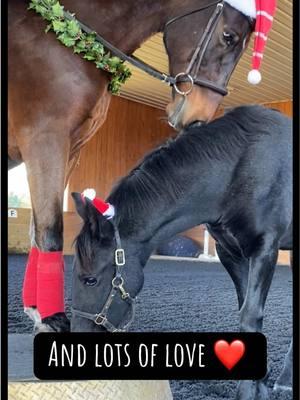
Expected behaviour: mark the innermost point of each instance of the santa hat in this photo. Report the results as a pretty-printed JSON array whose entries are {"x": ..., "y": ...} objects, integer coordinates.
[
  {"x": 104, "y": 208},
  {"x": 263, "y": 11}
]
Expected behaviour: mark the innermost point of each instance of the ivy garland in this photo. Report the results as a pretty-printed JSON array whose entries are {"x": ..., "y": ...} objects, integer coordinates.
[{"x": 69, "y": 33}]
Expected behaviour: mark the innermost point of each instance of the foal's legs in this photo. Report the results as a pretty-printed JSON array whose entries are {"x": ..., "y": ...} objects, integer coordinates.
[
  {"x": 46, "y": 162},
  {"x": 238, "y": 268},
  {"x": 285, "y": 379},
  {"x": 261, "y": 270}
]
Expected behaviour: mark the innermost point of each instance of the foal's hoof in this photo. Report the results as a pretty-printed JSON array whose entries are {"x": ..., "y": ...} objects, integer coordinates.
[
  {"x": 252, "y": 390},
  {"x": 282, "y": 388},
  {"x": 284, "y": 382},
  {"x": 55, "y": 323}
]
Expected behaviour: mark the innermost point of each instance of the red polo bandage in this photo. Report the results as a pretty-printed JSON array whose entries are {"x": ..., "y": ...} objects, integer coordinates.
[
  {"x": 50, "y": 283},
  {"x": 30, "y": 279}
]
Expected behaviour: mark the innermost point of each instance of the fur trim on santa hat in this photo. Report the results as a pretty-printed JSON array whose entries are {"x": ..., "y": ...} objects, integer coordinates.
[
  {"x": 106, "y": 209},
  {"x": 246, "y": 7}
]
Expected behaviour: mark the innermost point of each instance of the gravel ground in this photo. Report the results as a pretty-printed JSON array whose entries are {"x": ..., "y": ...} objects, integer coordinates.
[{"x": 187, "y": 296}]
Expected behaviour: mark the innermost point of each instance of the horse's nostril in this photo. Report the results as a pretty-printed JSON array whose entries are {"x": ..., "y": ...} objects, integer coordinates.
[{"x": 90, "y": 281}]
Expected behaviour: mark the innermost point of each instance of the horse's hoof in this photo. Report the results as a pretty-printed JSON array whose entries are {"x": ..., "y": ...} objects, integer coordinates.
[
  {"x": 41, "y": 328},
  {"x": 252, "y": 390},
  {"x": 282, "y": 388},
  {"x": 57, "y": 322},
  {"x": 262, "y": 392},
  {"x": 245, "y": 391},
  {"x": 33, "y": 314}
]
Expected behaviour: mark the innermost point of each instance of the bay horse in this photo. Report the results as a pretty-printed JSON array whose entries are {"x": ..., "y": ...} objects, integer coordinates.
[
  {"x": 233, "y": 174},
  {"x": 57, "y": 101}
]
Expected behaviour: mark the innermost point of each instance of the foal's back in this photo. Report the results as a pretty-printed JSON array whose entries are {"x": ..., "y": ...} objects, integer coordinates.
[
  {"x": 264, "y": 164},
  {"x": 259, "y": 196}
]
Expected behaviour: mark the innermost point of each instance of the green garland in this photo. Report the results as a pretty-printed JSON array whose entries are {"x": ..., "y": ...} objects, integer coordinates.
[{"x": 69, "y": 33}]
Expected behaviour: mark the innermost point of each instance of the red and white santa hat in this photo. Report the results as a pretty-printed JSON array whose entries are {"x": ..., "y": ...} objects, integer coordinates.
[
  {"x": 106, "y": 209},
  {"x": 263, "y": 11}
]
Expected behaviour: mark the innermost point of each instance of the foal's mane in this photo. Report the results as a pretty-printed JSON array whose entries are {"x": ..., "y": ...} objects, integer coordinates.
[{"x": 156, "y": 178}]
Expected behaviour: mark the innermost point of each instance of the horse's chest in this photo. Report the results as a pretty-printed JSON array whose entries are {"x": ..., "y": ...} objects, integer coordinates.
[{"x": 90, "y": 125}]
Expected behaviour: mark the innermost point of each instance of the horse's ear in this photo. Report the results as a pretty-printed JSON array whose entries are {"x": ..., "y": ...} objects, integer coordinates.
[{"x": 80, "y": 205}]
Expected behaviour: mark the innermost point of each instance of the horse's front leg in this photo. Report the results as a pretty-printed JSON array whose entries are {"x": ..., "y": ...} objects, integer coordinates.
[
  {"x": 43, "y": 289},
  {"x": 261, "y": 272}
]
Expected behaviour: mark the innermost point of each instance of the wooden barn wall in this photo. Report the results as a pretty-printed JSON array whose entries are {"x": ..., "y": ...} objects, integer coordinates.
[
  {"x": 130, "y": 131},
  {"x": 18, "y": 231},
  {"x": 286, "y": 107}
]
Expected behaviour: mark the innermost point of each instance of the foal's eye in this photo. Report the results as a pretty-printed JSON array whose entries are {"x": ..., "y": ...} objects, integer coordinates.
[
  {"x": 229, "y": 38},
  {"x": 90, "y": 281}
]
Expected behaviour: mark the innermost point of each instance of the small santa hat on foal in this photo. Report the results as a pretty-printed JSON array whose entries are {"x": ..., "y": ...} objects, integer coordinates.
[
  {"x": 263, "y": 11},
  {"x": 106, "y": 209}
]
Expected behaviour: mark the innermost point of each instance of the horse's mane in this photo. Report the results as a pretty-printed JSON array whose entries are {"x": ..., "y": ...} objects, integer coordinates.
[{"x": 157, "y": 178}]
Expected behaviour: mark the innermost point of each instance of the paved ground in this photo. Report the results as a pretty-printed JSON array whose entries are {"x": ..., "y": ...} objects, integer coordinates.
[{"x": 184, "y": 296}]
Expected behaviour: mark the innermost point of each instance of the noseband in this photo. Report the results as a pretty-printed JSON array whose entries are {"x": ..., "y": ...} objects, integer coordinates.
[
  {"x": 117, "y": 284},
  {"x": 195, "y": 63}
]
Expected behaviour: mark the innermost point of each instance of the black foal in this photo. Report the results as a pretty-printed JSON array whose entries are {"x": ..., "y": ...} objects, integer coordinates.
[{"x": 235, "y": 175}]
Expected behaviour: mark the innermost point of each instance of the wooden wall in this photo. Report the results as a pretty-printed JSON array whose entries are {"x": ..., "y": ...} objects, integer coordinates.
[
  {"x": 18, "y": 231},
  {"x": 131, "y": 129},
  {"x": 286, "y": 107}
]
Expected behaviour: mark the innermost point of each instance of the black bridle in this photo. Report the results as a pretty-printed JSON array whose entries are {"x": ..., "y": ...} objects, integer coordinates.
[
  {"x": 195, "y": 63},
  {"x": 117, "y": 283}
]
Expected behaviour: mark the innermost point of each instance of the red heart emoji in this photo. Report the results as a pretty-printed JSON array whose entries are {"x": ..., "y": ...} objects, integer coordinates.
[{"x": 229, "y": 354}]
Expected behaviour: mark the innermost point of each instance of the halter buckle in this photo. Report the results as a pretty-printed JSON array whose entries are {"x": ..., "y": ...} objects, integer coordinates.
[
  {"x": 189, "y": 79},
  {"x": 120, "y": 257}
]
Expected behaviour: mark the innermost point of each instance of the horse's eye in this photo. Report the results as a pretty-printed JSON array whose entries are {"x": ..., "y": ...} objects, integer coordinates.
[
  {"x": 229, "y": 38},
  {"x": 90, "y": 281}
]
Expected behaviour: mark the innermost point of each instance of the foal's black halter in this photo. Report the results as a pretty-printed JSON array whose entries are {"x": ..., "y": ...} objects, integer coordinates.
[
  {"x": 117, "y": 283},
  {"x": 194, "y": 64}
]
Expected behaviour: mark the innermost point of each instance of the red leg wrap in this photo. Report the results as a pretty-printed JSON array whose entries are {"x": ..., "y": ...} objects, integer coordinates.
[
  {"x": 30, "y": 279},
  {"x": 50, "y": 283}
]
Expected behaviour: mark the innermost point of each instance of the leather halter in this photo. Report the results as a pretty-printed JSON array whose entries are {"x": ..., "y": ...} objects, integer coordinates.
[
  {"x": 197, "y": 56},
  {"x": 101, "y": 318}
]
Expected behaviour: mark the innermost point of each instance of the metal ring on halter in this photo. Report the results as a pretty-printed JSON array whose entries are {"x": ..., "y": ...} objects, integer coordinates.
[
  {"x": 119, "y": 284},
  {"x": 189, "y": 77}
]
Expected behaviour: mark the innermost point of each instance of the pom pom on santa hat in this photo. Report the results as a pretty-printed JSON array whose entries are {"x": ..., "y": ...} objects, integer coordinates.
[
  {"x": 263, "y": 11},
  {"x": 106, "y": 209}
]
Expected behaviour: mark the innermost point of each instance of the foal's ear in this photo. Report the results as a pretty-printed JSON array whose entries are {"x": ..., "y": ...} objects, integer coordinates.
[
  {"x": 80, "y": 205},
  {"x": 99, "y": 225}
]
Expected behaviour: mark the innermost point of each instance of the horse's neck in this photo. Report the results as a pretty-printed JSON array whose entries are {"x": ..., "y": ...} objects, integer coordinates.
[
  {"x": 127, "y": 23},
  {"x": 199, "y": 204}
]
